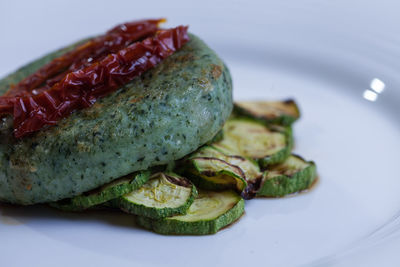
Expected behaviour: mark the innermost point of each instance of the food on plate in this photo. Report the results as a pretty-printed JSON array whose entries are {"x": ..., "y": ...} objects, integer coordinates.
[
  {"x": 209, "y": 192},
  {"x": 209, "y": 212},
  {"x": 140, "y": 120},
  {"x": 267, "y": 144},
  {"x": 213, "y": 170},
  {"x": 164, "y": 195},
  {"x": 272, "y": 112},
  {"x": 291, "y": 176},
  {"x": 105, "y": 193},
  {"x": 158, "y": 117}
]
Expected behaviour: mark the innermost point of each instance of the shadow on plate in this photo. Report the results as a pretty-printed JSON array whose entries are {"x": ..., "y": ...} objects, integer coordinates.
[{"x": 20, "y": 215}]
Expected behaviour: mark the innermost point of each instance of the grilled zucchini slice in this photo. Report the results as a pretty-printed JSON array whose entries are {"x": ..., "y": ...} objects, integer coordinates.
[
  {"x": 224, "y": 174},
  {"x": 215, "y": 174},
  {"x": 209, "y": 212},
  {"x": 291, "y": 176},
  {"x": 104, "y": 193},
  {"x": 164, "y": 195},
  {"x": 272, "y": 112},
  {"x": 252, "y": 139},
  {"x": 248, "y": 166}
]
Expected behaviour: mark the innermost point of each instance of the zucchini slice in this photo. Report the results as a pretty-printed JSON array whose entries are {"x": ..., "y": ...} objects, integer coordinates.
[
  {"x": 291, "y": 176},
  {"x": 223, "y": 175},
  {"x": 164, "y": 195},
  {"x": 215, "y": 174},
  {"x": 104, "y": 193},
  {"x": 249, "y": 167},
  {"x": 248, "y": 138},
  {"x": 209, "y": 212},
  {"x": 272, "y": 112}
]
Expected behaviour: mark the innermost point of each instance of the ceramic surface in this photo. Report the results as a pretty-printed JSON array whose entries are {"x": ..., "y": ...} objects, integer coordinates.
[{"x": 338, "y": 60}]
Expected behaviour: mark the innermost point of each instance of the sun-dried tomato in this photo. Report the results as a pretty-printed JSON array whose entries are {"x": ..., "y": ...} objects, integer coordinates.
[
  {"x": 81, "y": 88},
  {"x": 85, "y": 54}
]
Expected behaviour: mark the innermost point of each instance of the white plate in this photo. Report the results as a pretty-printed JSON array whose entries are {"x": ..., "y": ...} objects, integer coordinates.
[{"x": 340, "y": 62}]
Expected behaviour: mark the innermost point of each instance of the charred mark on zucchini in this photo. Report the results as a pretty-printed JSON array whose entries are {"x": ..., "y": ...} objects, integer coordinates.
[
  {"x": 179, "y": 181},
  {"x": 293, "y": 175}
]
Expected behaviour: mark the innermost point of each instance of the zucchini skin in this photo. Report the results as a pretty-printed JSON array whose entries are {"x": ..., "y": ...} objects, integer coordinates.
[
  {"x": 83, "y": 202},
  {"x": 282, "y": 154},
  {"x": 202, "y": 183},
  {"x": 155, "y": 213},
  {"x": 283, "y": 185},
  {"x": 234, "y": 177},
  {"x": 284, "y": 119},
  {"x": 263, "y": 161},
  {"x": 249, "y": 170},
  {"x": 204, "y": 227}
]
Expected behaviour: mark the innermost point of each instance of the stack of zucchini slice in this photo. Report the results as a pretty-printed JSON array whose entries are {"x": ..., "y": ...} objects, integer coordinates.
[{"x": 205, "y": 191}]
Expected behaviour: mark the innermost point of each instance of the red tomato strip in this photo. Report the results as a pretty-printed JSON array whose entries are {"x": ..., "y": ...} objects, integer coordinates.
[
  {"x": 81, "y": 88},
  {"x": 85, "y": 54}
]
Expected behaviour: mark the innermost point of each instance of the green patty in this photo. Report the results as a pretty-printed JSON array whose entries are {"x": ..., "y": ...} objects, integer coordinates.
[{"x": 159, "y": 117}]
